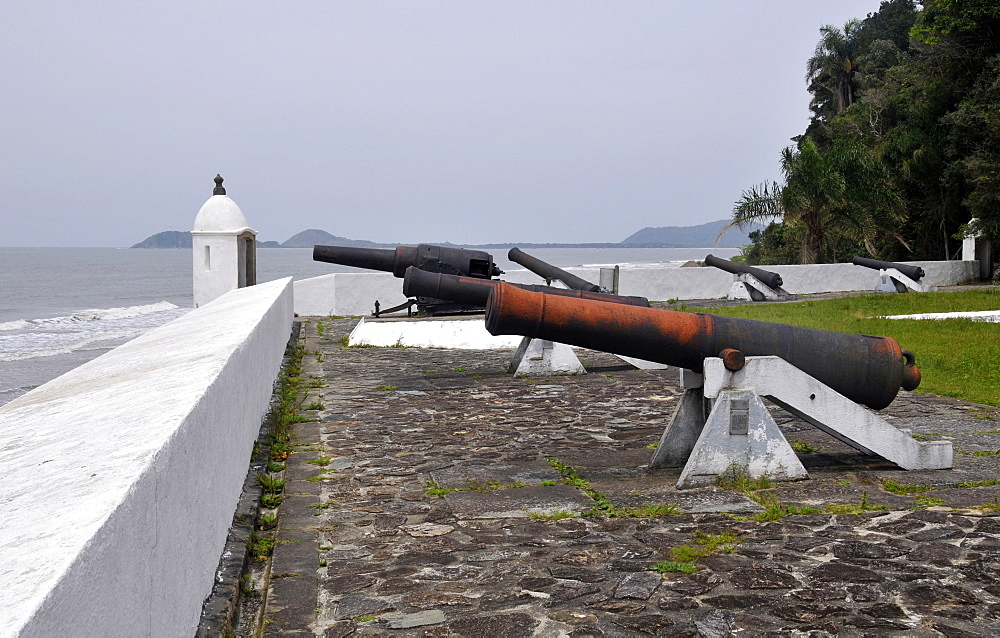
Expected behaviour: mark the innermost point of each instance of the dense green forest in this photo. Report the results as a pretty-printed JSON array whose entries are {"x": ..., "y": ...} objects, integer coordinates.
[{"x": 903, "y": 148}]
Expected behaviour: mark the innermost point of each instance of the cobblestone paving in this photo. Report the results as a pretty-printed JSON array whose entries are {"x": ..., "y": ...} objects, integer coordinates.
[{"x": 373, "y": 542}]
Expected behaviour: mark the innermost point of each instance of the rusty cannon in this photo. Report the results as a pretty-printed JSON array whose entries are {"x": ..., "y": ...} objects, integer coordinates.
[
  {"x": 473, "y": 291},
  {"x": 474, "y": 264},
  {"x": 867, "y": 370},
  {"x": 549, "y": 272}
]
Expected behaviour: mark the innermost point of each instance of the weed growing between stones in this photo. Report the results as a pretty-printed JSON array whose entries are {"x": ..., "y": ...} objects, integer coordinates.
[
  {"x": 261, "y": 547},
  {"x": 737, "y": 478},
  {"x": 991, "y": 507},
  {"x": 554, "y": 515},
  {"x": 321, "y": 460},
  {"x": 602, "y": 504},
  {"x": 986, "y": 483},
  {"x": 904, "y": 489},
  {"x": 860, "y": 508},
  {"x": 268, "y": 520},
  {"x": 775, "y": 510},
  {"x": 387, "y": 387},
  {"x": 471, "y": 485},
  {"x": 685, "y": 557},
  {"x": 801, "y": 447}
]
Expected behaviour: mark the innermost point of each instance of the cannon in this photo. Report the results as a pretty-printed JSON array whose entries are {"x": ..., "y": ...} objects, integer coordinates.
[
  {"x": 772, "y": 279},
  {"x": 749, "y": 282},
  {"x": 549, "y": 272},
  {"x": 473, "y": 291},
  {"x": 893, "y": 277},
  {"x": 474, "y": 264},
  {"x": 913, "y": 272},
  {"x": 453, "y": 261},
  {"x": 865, "y": 369}
]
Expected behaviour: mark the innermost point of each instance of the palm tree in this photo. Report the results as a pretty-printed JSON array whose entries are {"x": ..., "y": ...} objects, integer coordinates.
[
  {"x": 833, "y": 66},
  {"x": 844, "y": 191}
]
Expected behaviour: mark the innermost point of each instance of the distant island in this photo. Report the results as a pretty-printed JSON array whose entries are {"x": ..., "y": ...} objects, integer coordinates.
[{"x": 700, "y": 236}]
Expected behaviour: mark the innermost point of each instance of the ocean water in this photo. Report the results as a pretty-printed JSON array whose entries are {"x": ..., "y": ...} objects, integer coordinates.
[{"x": 61, "y": 307}]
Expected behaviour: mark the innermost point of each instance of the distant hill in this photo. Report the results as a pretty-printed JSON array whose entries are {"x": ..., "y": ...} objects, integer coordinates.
[
  {"x": 166, "y": 239},
  {"x": 700, "y": 236},
  {"x": 311, "y": 237}
]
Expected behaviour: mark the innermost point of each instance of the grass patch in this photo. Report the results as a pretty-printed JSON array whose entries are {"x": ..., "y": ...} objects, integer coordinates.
[
  {"x": 849, "y": 508},
  {"x": 904, "y": 489},
  {"x": 775, "y": 511},
  {"x": 673, "y": 566},
  {"x": 433, "y": 489},
  {"x": 949, "y": 352},
  {"x": 387, "y": 387},
  {"x": 991, "y": 507},
  {"x": 471, "y": 485},
  {"x": 322, "y": 460},
  {"x": 685, "y": 557},
  {"x": 737, "y": 479},
  {"x": 802, "y": 447},
  {"x": 986, "y": 483},
  {"x": 986, "y": 453}
]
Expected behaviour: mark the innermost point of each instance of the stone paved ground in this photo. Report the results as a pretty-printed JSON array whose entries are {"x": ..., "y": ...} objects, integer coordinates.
[{"x": 366, "y": 547}]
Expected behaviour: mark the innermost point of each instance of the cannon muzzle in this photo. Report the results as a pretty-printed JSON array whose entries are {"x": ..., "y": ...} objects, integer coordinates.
[
  {"x": 913, "y": 272},
  {"x": 770, "y": 279},
  {"x": 867, "y": 370},
  {"x": 472, "y": 291},
  {"x": 444, "y": 259},
  {"x": 371, "y": 258},
  {"x": 548, "y": 271}
]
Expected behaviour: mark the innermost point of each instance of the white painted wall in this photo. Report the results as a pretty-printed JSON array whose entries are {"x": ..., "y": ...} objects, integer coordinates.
[
  {"x": 215, "y": 268},
  {"x": 352, "y": 294},
  {"x": 120, "y": 477}
]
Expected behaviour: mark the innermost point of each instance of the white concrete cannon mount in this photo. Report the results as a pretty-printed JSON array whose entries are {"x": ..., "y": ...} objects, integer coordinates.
[{"x": 739, "y": 431}]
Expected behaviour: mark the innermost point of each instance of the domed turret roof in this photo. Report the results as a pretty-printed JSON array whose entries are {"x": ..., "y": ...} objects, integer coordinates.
[{"x": 220, "y": 214}]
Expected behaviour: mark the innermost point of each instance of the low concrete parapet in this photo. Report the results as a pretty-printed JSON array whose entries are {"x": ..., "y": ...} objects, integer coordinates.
[
  {"x": 121, "y": 476},
  {"x": 353, "y": 294}
]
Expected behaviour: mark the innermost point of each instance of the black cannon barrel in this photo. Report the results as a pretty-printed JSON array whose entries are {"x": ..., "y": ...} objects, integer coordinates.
[
  {"x": 548, "y": 271},
  {"x": 867, "y": 370},
  {"x": 473, "y": 291},
  {"x": 770, "y": 279},
  {"x": 913, "y": 272},
  {"x": 446, "y": 259}
]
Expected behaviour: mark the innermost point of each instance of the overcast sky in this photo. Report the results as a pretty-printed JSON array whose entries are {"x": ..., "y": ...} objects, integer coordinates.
[{"x": 409, "y": 121}]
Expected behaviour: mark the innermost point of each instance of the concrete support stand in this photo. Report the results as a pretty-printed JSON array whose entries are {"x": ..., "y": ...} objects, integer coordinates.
[
  {"x": 740, "y": 432},
  {"x": 749, "y": 288},
  {"x": 818, "y": 405},
  {"x": 540, "y": 357},
  {"x": 682, "y": 432},
  {"x": 739, "y": 429},
  {"x": 891, "y": 280}
]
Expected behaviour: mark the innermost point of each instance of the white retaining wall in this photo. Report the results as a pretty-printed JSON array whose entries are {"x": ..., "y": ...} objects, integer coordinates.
[
  {"x": 351, "y": 294},
  {"x": 120, "y": 478}
]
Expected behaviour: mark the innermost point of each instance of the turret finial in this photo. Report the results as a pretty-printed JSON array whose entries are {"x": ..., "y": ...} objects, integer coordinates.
[{"x": 219, "y": 190}]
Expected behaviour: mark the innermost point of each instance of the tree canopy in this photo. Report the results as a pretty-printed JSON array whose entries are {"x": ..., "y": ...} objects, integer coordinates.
[{"x": 903, "y": 148}]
